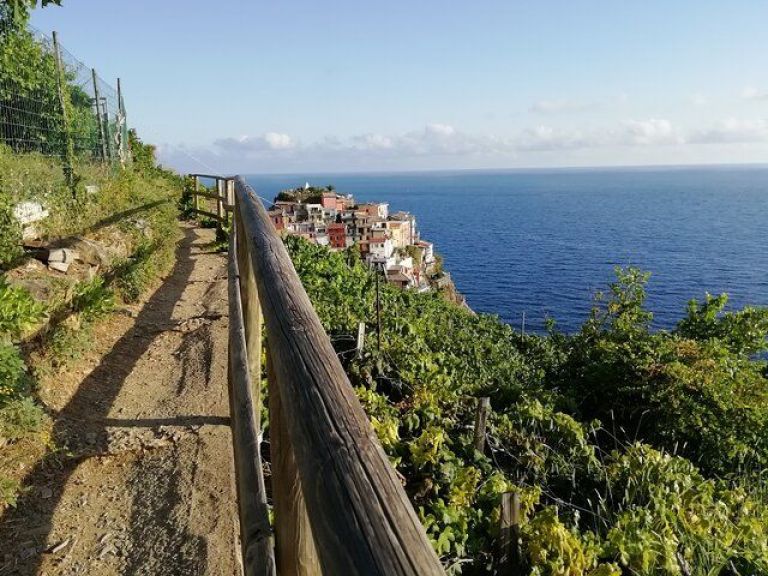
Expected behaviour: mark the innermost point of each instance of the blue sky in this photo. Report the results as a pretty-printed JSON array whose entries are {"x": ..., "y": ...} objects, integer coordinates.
[{"x": 299, "y": 85}]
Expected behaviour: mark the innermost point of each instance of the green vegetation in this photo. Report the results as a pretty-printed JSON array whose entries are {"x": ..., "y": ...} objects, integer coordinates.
[
  {"x": 309, "y": 195},
  {"x": 633, "y": 452},
  {"x": 134, "y": 209}
]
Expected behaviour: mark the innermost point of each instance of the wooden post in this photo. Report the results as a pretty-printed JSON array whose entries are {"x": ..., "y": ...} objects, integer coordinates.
[
  {"x": 360, "y": 339},
  {"x": 219, "y": 201},
  {"x": 96, "y": 100},
  {"x": 295, "y": 552},
  {"x": 229, "y": 209},
  {"x": 509, "y": 559},
  {"x": 195, "y": 196},
  {"x": 481, "y": 417},
  {"x": 68, "y": 153}
]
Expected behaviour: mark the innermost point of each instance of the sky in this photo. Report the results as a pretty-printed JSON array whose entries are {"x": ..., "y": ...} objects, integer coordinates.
[{"x": 292, "y": 86}]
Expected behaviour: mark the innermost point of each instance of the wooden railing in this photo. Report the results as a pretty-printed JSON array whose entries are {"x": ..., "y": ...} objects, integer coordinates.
[
  {"x": 223, "y": 197},
  {"x": 339, "y": 507}
]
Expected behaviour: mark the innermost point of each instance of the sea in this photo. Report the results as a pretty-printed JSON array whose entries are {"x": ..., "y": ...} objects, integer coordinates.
[{"x": 532, "y": 245}]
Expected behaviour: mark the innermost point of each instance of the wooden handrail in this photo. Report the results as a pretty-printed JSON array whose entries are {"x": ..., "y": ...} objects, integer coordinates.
[
  {"x": 255, "y": 533},
  {"x": 361, "y": 520},
  {"x": 211, "y": 176}
]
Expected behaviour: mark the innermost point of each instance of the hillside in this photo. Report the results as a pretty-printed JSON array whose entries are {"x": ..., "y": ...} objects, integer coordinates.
[{"x": 633, "y": 452}]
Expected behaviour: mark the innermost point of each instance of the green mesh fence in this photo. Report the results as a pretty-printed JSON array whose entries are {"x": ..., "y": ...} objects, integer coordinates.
[{"x": 52, "y": 103}]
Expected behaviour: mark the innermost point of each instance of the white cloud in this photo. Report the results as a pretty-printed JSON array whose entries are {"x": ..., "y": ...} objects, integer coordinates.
[
  {"x": 439, "y": 144},
  {"x": 752, "y": 93},
  {"x": 251, "y": 144},
  {"x": 732, "y": 131},
  {"x": 372, "y": 142},
  {"x": 440, "y": 129},
  {"x": 546, "y": 138},
  {"x": 558, "y": 106},
  {"x": 651, "y": 131}
]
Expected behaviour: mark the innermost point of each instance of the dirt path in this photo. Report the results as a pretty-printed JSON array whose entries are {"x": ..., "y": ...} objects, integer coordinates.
[{"x": 145, "y": 485}]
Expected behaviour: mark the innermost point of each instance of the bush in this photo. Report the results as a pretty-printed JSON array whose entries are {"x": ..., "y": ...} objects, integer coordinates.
[
  {"x": 18, "y": 311},
  {"x": 10, "y": 232},
  {"x": 19, "y": 418},
  {"x": 595, "y": 503},
  {"x": 13, "y": 374}
]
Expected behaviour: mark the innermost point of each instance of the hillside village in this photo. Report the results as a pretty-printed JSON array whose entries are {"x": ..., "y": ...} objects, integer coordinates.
[{"x": 388, "y": 241}]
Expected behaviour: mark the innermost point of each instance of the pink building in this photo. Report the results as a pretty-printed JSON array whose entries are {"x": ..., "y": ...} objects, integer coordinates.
[{"x": 337, "y": 235}]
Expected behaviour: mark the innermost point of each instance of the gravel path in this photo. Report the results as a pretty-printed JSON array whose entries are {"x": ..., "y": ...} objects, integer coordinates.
[{"x": 145, "y": 482}]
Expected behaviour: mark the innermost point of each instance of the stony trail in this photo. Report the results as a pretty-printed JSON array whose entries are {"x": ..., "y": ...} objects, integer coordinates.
[{"x": 144, "y": 482}]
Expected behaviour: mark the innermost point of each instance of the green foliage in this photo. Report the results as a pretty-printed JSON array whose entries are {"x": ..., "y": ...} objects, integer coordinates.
[
  {"x": 143, "y": 155},
  {"x": 743, "y": 332},
  {"x": 10, "y": 230},
  {"x": 13, "y": 374},
  {"x": 15, "y": 13},
  {"x": 594, "y": 502},
  {"x": 9, "y": 489},
  {"x": 19, "y": 418},
  {"x": 695, "y": 390},
  {"x": 18, "y": 311}
]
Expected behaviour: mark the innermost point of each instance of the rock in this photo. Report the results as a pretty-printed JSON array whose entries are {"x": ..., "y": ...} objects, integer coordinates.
[
  {"x": 60, "y": 546},
  {"x": 91, "y": 189},
  {"x": 27, "y": 213},
  {"x": 91, "y": 437},
  {"x": 45, "y": 493},
  {"x": 60, "y": 259}
]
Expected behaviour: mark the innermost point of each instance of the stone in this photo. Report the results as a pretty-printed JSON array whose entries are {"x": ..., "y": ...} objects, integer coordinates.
[
  {"x": 28, "y": 213},
  {"x": 45, "y": 493},
  {"x": 60, "y": 259}
]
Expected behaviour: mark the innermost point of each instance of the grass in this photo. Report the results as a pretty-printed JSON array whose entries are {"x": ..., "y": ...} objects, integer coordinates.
[{"x": 138, "y": 209}]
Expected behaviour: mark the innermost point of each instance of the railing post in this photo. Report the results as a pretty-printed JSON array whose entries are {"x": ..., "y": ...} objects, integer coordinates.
[
  {"x": 196, "y": 189},
  {"x": 229, "y": 211},
  {"x": 219, "y": 201},
  {"x": 295, "y": 551}
]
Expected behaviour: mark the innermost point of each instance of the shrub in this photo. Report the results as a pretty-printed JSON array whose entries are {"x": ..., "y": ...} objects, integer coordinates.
[
  {"x": 13, "y": 374},
  {"x": 18, "y": 311},
  {"x": 19, "y": 418}
]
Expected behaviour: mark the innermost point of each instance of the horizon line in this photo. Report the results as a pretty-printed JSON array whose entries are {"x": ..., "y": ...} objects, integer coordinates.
[{"x": 606, "y": 167}]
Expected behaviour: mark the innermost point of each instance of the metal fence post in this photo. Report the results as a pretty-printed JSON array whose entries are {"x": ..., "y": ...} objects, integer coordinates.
[
  {"x": 97, "y": 99},
  {"x": 68, "y": 151},
  {"x": 122, "y": 125}
]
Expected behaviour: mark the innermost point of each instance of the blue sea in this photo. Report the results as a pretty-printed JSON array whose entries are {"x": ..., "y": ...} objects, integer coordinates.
[{"x": 540, "y": 243}]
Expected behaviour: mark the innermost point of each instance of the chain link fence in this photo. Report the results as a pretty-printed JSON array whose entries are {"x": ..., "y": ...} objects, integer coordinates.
[{"x": 53, "y": 104}]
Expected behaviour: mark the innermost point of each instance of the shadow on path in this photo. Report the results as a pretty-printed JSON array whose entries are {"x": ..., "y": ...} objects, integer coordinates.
[{"x": 30, "y": 523}]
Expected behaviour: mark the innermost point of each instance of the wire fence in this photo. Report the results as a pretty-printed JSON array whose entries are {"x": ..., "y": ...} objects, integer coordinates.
[{"x": 53, "y": 104}]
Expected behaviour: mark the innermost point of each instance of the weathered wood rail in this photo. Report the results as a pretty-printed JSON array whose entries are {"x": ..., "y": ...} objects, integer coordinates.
[
  {"x": 339, "y": 507},
  {"x": 224, "y": 197}
]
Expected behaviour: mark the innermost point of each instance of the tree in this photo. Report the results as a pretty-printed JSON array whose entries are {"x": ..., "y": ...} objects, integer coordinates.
[{"x": 14, "y": 14}]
